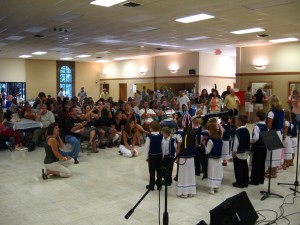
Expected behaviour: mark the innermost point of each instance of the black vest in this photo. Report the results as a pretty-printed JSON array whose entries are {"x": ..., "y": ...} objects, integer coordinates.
[
  {"x": 216, "y": 151},
  {"x": 243, "y": 136},
  {"x": 259, "y": 142},
  {"x": 155, "y": 144}
]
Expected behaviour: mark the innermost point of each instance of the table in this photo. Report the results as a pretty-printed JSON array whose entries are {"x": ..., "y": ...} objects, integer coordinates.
[{"x": 24, "y": 124}]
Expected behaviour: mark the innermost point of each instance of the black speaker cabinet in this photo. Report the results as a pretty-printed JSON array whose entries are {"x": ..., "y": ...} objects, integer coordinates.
[
  {"x": 236, "y": 210},
  {"x": 192, "y": 72}
]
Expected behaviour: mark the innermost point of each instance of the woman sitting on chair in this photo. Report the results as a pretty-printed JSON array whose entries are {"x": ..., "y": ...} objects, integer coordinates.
[{"x": 54, "y": 162}]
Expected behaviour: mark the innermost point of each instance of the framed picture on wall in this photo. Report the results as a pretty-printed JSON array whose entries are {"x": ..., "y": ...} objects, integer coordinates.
[{"x": 265, "y": 86}]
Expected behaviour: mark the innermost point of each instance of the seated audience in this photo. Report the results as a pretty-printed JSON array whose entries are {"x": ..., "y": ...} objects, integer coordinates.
[
  {"x": 147, "y": 115},
  {"x": 29, "y": 113},
  {"x": 54, "y": 162},
  {"x": 46, "y": 117}
]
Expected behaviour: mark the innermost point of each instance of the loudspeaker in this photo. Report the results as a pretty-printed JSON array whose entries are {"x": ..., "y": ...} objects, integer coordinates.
[
  {"x": 192, "y": 72},
  {"x": 236, "y": 210}
]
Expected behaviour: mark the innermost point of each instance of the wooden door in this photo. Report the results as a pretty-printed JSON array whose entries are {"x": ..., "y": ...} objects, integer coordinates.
[{"x": 123, "y": 91}]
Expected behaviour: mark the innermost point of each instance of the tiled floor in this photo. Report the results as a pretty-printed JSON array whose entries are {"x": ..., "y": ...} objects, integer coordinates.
[{"x": 105, "y": 186}]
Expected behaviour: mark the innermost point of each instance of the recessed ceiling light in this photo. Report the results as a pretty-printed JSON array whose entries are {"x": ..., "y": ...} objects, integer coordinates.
[
  {"x": 102, "y": 61},
  {"x": 39, "y": 53},
  {"x": 14, "y": 38},
  {"x": 106, "y": 3},
  {"x": 83, "y": 56},
  {"x": 196, "y": 38},
  {"x": 66, "y": 58},
  {"x": 194, "y": 18},
  {"x": 284, "y": 40},
  {"x": 25, "y": 56},
  {"x": 168, "y": 53},
  {"x": 120, "y": 58},
  {"x": 246, "y": 31}
]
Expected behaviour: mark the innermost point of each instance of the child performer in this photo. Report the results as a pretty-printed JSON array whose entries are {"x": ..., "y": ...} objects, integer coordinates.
[
  {"x": 294, "y": 137},
  {"x": 214, "y": 150},
  {"x": 186, "y": 140},
  {"x": 128, "y": 138},
  {"x": 287, "y": 142},
  {"x": 197, "y": 159},
  {"x": 259, "y": 151},
  {"x": 226, "y": 139},
  {"x": 240, "y": 150},
  {"x": 168, "y": 150},
  {"x": 154, "y": 155}
]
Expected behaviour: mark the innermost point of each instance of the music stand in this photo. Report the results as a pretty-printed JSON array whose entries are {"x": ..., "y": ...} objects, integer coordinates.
[{"x": 272, "y": 142}]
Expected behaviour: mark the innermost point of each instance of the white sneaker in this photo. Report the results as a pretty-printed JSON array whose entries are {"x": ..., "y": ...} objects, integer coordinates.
[
  {"x": 19, "y": 149},
  {"x": 211, "y": 191}
]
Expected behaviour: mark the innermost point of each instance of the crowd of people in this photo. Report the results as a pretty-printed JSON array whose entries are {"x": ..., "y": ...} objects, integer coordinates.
[{"x": 170, "y": 126}]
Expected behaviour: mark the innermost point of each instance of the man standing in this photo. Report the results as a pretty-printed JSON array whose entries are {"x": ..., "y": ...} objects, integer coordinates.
[
  {"x": 225, "y": 93},
  {"x": 231, "y": 101},
  {"x": 104, "y": 94},
  {"x": 182, "y": 99},
  {"x": 82, "y": 94},
  {"x": 46, "y": 117},
  {"x": 248, "y": 104},
  {"x": 61, "y": 94}
]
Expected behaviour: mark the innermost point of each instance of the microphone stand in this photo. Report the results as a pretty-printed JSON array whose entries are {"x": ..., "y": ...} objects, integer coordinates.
[
  {"x": 166, "y": 214},
  {"x": 296, "y": 183}
]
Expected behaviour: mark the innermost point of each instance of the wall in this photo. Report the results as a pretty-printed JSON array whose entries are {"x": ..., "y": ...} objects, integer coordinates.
[
  {"x": 216, "y": 70},
  {"x": 12, "y": 70},
  {"x": 87, "y": 76},
  {"x": 40, "y": 76},
  {"x": 282, "y": 62}
]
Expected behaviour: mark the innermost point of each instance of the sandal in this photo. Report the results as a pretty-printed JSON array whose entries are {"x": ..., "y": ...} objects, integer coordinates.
[{"x": 44, "y": 176}]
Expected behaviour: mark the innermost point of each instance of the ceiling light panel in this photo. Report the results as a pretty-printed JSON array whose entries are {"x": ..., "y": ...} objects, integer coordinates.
[
  {"x": 83, "y": 56},
  {"x": 66, "y": 58},
  {"x": 77, "y": 44},
  {"x": 247, "y": 31},
  {"x": 25, "y": 56},
  {"x": 194, "y": 18},
  {"x": 39, "y": 53},
  {"x": 142, "y": 29},
  {"x": 282, "y": 40},
  {"x": 35, "y": 29},
  {"x": 14, "y": 38},
  {"x": 196, "y": 38},
  {"x": 120, "y": 58},
  {"x": 106, "y": 3}
]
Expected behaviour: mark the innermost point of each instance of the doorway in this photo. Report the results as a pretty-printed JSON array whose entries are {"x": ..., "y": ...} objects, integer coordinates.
[{"x": 123, "y": 91}]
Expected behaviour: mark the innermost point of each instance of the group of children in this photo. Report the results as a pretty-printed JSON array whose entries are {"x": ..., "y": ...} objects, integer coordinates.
[{"x": 207, "y": 148}]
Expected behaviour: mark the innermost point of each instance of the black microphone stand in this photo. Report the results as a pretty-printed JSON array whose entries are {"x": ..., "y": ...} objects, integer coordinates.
[
  {"x": 296, "y": 183},
  {"x": 166, "y": 214}
]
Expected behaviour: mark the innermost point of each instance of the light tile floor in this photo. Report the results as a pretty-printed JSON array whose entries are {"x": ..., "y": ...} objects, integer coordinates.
[{"x": 105, "y": 186}]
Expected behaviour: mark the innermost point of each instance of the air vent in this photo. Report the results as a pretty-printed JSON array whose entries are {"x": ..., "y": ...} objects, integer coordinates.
[
  {"x": 262, "y": 35},
  {"x": 39, "y": 35},
  {"x": 159, "y": 49},
  {"x": 131, "y": 4}
]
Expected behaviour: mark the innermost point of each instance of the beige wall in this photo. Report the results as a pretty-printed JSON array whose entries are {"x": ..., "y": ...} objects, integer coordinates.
[
  {"x": 184, "y": 61},
  {"x": 12, "y": 70},
  {"x": 208, "y": 82},
  {"x": 217, "y": 65},
  {"x": 87, "y": 76},
  {"x": 40, "y": 76},
  {"x": 282, "y": 66},
  {"x": 278, "y": 58}
]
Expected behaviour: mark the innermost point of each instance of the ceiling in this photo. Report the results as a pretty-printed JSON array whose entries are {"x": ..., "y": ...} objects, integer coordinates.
[{"x": 121, "y": 31}]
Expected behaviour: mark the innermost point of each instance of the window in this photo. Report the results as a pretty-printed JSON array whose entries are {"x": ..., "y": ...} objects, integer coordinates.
[
  {"x": 66, "y": 77},
  {"x": 65, "y": 80}
]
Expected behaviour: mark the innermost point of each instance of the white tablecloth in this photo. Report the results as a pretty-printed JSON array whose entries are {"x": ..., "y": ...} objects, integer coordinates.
[{"x": 24, "y": 124}]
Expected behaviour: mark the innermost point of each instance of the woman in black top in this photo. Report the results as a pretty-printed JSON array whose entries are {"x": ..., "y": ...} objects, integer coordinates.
[
  {"x": 118, "y": 123},
  {"x": 258, "y": 100},
  {"x": 128, "y": 140},
  {"x": 54, "y": 162}
]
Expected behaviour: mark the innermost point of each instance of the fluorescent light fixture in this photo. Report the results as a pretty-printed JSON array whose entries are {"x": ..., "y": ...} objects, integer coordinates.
[
  {"x": 25, "y": 56},
  {"x": 196, "y": 38},
  {"x": 39, "y": 53},
  {"x": 83, "y": 56},
  {"x": 102, "y": 61},
  {"x": 66, "y": 58},
  {"x": 106, "y": 3},
  {"x": 284, "y": 40},
  {"x": 120, "y": 58},
  {"x": 194, "y": 18},
  {"x": 246, "y": 31}
]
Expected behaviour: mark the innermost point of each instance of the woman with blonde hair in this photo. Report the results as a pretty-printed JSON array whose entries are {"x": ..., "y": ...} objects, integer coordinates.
[{"x": 275, "y": 121}]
